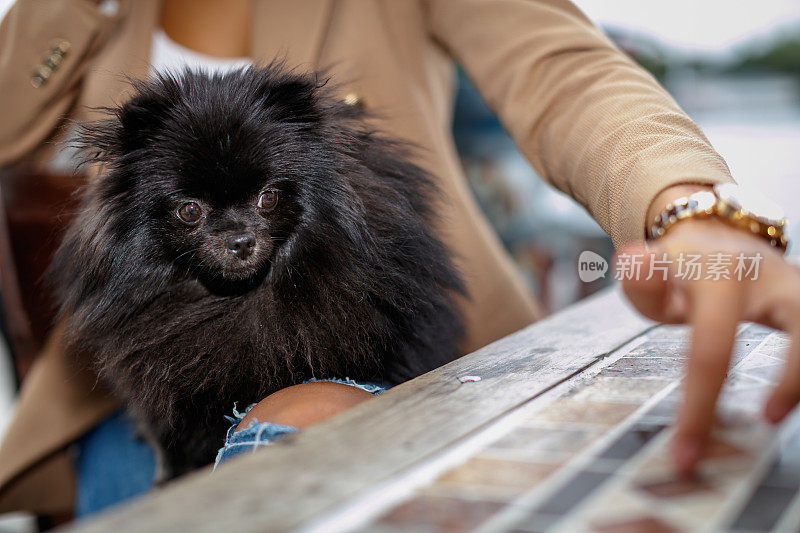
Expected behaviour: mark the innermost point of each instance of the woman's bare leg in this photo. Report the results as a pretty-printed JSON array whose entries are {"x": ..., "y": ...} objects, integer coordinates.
[{"x": 305, "y": 404}]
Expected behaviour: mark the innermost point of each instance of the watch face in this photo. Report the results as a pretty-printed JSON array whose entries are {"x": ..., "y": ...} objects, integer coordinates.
[{"x": 751, "y": 201}]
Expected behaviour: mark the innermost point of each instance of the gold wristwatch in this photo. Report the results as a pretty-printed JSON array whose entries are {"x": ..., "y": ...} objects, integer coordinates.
[{"x": 747, "y": 209}]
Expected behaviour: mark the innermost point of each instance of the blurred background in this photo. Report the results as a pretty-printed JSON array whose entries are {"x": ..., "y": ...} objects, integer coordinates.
[{"x": 733, "y": 66}]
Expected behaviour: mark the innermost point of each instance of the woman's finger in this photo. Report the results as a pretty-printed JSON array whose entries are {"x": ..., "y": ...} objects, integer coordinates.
[{"x": 716, "y": 308}]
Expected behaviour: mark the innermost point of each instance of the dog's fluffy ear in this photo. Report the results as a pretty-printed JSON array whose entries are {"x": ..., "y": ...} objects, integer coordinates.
[
  {"x": 291, "y": 99},
  {"x": 138, "y": 119},
  {"x": 127, "y": 128}
]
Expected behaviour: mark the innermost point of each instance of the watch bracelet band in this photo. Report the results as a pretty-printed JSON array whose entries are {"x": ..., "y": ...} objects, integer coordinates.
[
  {"x": 705, "y": 204},
  {"x": 773, "y": 233}
]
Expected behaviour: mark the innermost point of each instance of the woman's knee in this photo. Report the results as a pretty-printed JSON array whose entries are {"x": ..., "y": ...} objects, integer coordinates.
[{"x": 305, "y": 404}]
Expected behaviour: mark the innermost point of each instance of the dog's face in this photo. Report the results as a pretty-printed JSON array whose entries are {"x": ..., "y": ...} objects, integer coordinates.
[
  {"x": 223, "y": 202},
  {"x": 227, "y": 220},
  {"x": 221, "y": 170}
]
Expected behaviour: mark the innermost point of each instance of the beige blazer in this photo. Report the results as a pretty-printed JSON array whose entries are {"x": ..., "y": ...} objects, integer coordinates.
[{"x": 589, "y": 120}]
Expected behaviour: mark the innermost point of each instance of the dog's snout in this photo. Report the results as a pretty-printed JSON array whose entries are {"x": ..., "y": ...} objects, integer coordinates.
[{"x": 241, "y": 244}]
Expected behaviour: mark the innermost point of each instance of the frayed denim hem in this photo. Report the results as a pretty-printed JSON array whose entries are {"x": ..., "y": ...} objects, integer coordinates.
[
  {"x": 259, "y": 434},
  {"x": 372, "y": 388}
]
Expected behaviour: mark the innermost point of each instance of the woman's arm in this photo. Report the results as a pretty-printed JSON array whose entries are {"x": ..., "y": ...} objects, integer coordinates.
[{"x": 591, "y": 121}]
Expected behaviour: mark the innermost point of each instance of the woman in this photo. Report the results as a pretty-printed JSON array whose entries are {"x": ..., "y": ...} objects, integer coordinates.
[{"x": 588, "y": 119}]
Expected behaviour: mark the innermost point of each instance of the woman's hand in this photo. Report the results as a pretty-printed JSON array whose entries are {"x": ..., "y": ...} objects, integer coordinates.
[{"x": 714, "y": 307}]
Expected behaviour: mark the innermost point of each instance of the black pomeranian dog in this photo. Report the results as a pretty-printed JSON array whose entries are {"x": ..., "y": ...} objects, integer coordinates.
[{"x": 249, "y": 232}]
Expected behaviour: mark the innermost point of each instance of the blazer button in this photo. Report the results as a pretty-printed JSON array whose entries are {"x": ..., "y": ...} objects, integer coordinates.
[
  {"x": 52, "y": 60},
  {"x": 61, "y": 46},
  {"x": 354, "y": 100},
  {"x": 50, "y": 63},
  {"x": 41, "y": 75}
]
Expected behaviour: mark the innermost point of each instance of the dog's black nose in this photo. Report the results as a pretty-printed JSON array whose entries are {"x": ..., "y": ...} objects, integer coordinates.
[{"x": 241, "y": 244}]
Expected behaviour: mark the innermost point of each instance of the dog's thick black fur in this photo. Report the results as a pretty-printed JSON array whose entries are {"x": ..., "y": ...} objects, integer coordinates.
[{"x": 249, "y": 232}]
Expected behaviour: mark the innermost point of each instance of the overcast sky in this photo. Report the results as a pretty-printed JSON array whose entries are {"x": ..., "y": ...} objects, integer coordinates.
[
  {"x": 705, "y": 26},
  {"x": 692, "y": 25}
]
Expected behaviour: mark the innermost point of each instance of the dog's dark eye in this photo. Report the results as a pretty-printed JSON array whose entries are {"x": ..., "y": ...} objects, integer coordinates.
[
  {"x": 267, "y": 200},
  {"x": 190, "y": 212}
]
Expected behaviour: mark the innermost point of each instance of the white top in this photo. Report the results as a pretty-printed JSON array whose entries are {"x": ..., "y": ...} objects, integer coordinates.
[{"x": 168, "y": 56}]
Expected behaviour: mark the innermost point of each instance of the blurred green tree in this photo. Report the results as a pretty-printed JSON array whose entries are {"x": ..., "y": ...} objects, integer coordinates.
[{"x": 782, "y": 56}]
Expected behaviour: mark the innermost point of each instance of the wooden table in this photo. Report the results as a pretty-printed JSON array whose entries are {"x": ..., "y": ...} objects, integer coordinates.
[{"x": 562, "y": 425}]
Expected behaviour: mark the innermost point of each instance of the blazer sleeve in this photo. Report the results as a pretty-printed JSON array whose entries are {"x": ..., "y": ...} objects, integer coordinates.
[
  {"x": 31, "y": 111},
  {"x": 590, "y": 121}
]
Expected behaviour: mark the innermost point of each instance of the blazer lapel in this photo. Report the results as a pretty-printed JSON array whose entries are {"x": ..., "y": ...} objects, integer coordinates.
[{"x": 291, "y": 30}]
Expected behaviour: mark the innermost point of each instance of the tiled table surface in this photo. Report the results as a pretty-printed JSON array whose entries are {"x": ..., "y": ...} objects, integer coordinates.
[
  {"x": 566, "y": 429},
  {"x": 595, "y": 457}
]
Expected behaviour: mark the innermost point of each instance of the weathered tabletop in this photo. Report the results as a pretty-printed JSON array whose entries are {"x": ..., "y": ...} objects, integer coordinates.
[{"x": 565, "y": 429}]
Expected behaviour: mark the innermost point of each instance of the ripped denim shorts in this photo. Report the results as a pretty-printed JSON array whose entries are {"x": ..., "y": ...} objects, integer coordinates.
[{"x": 259, "y": 434}]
